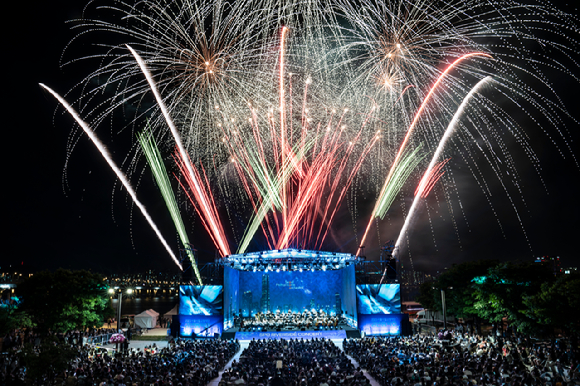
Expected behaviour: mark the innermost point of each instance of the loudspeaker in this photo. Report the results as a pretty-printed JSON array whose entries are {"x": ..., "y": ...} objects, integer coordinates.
[
  {"x": 406, "y": 328},
  {"x": 175, "y": 326}
]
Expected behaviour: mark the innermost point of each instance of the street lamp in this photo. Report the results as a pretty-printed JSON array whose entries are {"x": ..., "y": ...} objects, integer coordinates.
[
  {"x": 119, "y": 292},
  {"x": 444, "y": 307}
]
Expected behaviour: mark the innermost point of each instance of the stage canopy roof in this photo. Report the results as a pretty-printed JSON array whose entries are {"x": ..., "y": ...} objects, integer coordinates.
[{"x": 289, "y": 260}]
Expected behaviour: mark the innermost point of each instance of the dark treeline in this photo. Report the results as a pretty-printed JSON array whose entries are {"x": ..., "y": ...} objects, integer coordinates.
[{"x": 531, "y": 298}]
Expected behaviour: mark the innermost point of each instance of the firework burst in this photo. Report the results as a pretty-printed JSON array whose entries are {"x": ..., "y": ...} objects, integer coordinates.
[{"x": 281, "y": 111}]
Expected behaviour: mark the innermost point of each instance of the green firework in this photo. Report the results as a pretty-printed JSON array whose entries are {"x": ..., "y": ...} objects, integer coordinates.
[{"x": 160, "y": 173}]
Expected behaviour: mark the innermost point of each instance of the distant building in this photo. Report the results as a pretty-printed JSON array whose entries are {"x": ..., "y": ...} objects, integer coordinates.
[
  {"x": 554, "y": 260},
  {"x": 414, "y": 277}
]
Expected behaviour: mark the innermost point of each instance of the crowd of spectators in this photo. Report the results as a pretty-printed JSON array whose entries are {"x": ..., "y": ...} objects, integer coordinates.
[
  {"x": 182, "y": 362},
  {"x": 293, "y": 363},
  {"x": 17, "y": 338},
  {"x": 452, "y": 359},
  {"x": 464, "y": 359}
]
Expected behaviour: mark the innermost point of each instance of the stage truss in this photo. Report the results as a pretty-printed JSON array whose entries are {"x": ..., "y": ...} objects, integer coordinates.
[{"x": 289, "y": 260}]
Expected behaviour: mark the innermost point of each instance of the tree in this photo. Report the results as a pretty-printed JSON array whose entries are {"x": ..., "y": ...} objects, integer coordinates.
[
  {"x": 11, "y": 319},
  {"x": 426, "y": 295},
  {"x": 52, "y": 357},
  {"x": 65, "y": 300},
  {"x": 502, "y": 291},
  {"x": 556, "y": 305},
  {"x": 458, "y": 285}
]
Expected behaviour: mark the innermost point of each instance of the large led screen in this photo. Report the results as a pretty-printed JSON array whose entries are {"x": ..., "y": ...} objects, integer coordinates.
[
  {"x": 375, "y": 299},
  {"x": 200, "y": 300},
  {"x": 200, "y": 325}
]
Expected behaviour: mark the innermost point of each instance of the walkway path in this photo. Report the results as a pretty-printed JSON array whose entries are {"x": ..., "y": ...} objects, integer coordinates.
[
  {"x": 244, "y": 344},
  {"x": 138, "y": 344},
  {"x": 355, "y": 363}
]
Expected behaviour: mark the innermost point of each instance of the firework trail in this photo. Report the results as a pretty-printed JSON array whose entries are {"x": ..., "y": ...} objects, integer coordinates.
[
  {"x": 212, "y": 57},
  {"x": 310, "y": 193},
  {"x": 160, "y": 174},
  {"x": 114, "y": 167},
  {"x": 431, "y": 179},
  {"x": 398, "y": 43},
  {"x": 227, "y": 75},
  {"x": 202, "y": 195},
  {"x": 283, "y": 125},
  {"x": 428, "y": 173},
  {"x": 313, "y": 171},
  {"x": 400, "y": 175},
  {"x": 386, "y": 189}
]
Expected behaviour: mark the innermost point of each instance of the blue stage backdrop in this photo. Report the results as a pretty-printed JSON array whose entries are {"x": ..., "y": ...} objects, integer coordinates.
[
  {"x": 348, "y": 295},
  {"x": 232, "y": 283},
  {"x": 331, "y": 291},
  {"x": 379, "y": 309}
]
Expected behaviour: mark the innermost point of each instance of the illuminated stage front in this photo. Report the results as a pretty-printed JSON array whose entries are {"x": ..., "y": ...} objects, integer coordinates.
[
  {"x": 289, "y": 280},
  {"x": 249, "y": 335}
]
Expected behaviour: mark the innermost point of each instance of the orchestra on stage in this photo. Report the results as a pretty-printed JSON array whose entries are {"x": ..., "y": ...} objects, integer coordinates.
[{"x": 306, "y": 320}]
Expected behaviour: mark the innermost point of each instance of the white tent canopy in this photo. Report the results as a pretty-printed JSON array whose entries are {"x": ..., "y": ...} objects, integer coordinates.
[
  {"x": 173, "y": 311},
  {"x": 146, "y": 319}
]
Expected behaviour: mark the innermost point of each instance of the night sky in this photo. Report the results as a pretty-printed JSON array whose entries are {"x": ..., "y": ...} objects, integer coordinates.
[{"x": 87, "y": 222}]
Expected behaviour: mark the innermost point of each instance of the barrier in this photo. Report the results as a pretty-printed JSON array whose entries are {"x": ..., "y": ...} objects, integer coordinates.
[
  {"x": 328, "y": 334},
  {"x": 99, "y": 339}
]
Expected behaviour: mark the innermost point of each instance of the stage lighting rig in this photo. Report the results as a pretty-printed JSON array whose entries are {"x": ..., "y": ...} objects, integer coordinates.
[{"x": 289, "y": 259}]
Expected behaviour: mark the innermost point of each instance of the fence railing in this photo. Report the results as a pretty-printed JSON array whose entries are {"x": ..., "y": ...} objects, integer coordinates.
[{"x": 99, "y": 339}]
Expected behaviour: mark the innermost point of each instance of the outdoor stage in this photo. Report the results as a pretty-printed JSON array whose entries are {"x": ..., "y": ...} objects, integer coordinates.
[{"x": 287, "y": 294}]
